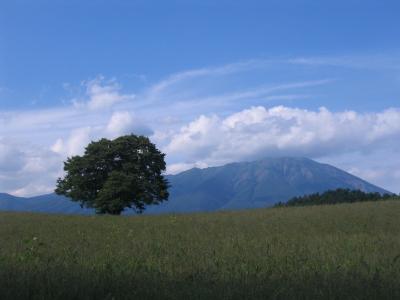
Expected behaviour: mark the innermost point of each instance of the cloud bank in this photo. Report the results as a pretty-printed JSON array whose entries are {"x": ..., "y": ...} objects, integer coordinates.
[
  {"x": 201, "y": 118},
  {"x": 211, "y": 140},
  {"x": 283, "y": 131}
]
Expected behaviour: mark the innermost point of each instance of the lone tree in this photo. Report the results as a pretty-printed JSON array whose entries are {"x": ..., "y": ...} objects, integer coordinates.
[{"x": 116, "y": 174}]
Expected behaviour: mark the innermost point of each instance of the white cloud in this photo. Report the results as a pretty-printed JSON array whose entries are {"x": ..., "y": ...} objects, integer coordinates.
[
  {"x": 33, "y": 188},
  {"x": 198, "y": 118},
  {"x": 261, "y": 92},
  {"x": 119, "y": 124},
  {"x": 27, "y": 169},
  {"x": 211, "y": 71},
  {"x": 124, "y": 122},
  {"x": 75, "y": 144},
  {"x": 377, "y": 61},
  {"x": 11, "y": 158},
  {"x": 214, "y": 140},
  {"x": 102, "y": 94},
  {"x": 259, "y": 132}
]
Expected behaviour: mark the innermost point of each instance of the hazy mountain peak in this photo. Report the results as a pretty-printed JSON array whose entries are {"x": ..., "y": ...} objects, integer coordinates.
[{"x": 254, "y": 184}]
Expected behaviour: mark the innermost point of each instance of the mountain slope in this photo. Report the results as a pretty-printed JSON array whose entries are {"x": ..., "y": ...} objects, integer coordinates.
[
  {"x": 9, "y": 202},
  {"x": 233, "y": 186},
  {"x": 49, "y": 203},
  {"x": 255, "y": 184}
]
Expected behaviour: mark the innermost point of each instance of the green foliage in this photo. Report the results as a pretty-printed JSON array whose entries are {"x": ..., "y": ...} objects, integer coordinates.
[
  {"x": 335, "y": 197},
  {"x": 114, "y": 175},
  {"x": 345, "y": 251}
]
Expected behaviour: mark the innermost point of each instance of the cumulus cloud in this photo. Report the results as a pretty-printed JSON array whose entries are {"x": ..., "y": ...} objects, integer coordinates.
[
  {"x": 102, "y": 94},
  {"x": 75, "y": 143},
  {"x": 27, "y": 170},
  {"x": 120, "y": 123},
  {"x": 124, "y": 122},
  {"x": 198, "y": 118},
  {"x": 259, "y": 132},
  {"x": 249, "y": 134}
]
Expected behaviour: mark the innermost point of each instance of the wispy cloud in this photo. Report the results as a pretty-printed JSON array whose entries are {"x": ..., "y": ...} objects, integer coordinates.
[
  {"x": 176, "y": 78},
  {"x": 352, "y": 61},
  {"x": 199, "y": 117},
  {"x": 263, "y": 94}
]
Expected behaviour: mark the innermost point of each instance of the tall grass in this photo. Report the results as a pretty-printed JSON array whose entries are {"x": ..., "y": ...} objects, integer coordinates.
[{"x": 347, "y": 251}]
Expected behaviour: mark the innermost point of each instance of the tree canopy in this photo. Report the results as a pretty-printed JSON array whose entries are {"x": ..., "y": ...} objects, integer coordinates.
[
  {"x": 113, "y": 175},
  {"x": 336, "y": 196}
]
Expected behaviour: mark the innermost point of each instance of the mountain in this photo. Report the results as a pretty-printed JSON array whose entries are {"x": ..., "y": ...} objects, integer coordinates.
[
  {"x": 8, "y": 202},
  {"x": 255, "y": 184},
  {"x": 49, "y": 203},
  {"x": 234, "y": 186}
]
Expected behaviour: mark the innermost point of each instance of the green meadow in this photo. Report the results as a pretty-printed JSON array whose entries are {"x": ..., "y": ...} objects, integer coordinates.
[{"x": 344, "y": 251}]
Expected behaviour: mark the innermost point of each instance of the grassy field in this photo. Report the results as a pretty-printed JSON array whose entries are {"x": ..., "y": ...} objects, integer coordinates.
[{"x": 346, "y": 251}]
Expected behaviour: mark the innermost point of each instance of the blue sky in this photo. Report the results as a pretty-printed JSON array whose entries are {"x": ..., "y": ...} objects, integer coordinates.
[{"x": 201, "y": 79}]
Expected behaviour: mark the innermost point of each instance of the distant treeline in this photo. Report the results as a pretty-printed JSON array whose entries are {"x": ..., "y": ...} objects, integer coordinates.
[{"x": 337, "y": 196}]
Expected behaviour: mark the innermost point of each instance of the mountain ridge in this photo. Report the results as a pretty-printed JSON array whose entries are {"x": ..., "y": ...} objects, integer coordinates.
[
  {"x": 237, "y": 185},
  {"x": 255, "y": 184}
]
